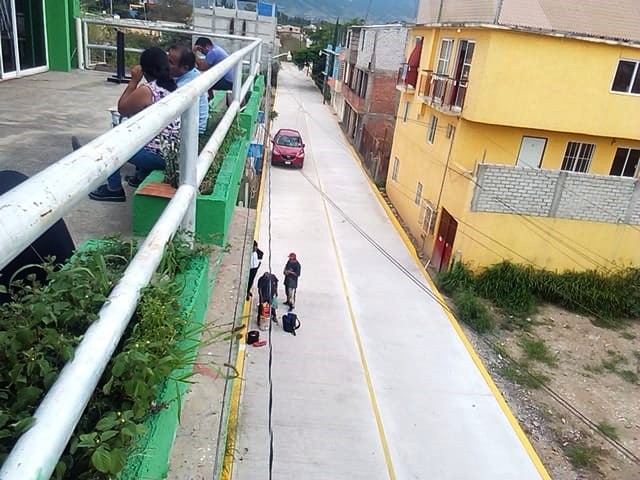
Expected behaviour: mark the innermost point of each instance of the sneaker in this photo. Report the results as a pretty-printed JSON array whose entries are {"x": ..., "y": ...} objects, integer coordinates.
[
  {"x": 75, "y": 143},
  {"x": 103, "y": 194},
  {"x": 133, "y": 181}
]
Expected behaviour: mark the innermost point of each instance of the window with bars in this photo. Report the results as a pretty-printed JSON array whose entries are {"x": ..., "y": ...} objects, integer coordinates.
[
  {"x": 427, "y": 217},
  {"x": 396, "y": 167},
  {"x": 625, "y": 162},
  {"x": 418, "y": 198},
  {"x": 431, "y": 133},
  {"x": 577, "y": 157},
  {"x": 627, "y": 78}
]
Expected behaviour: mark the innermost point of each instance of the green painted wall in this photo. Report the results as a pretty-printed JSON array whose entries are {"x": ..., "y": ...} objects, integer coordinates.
[{"x": 61, "y": 33}]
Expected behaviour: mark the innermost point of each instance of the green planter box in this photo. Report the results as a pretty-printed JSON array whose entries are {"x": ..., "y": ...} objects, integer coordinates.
[
  {"x": 150, "y": 458},
  {"x": 213, "y": 212}
]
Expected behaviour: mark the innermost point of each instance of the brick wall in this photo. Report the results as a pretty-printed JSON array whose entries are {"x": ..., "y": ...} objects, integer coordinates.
[
  {"x": 382, "y": 93},
  {"x": 552, "y": 193},
  {"x": 357, "y": 103}
]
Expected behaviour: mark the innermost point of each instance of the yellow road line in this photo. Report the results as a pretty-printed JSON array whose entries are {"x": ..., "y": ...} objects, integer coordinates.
[
  {"x": 454, "y": 322},
  {"x": 234, "y": 407},
  {"x": 356, "y": 331}
]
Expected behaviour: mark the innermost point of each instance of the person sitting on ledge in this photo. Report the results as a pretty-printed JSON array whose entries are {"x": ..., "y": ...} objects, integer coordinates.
[{"x": 154, "y": 68}]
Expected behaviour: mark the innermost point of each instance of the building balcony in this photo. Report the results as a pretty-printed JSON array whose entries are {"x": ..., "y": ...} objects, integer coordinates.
[
  {"x": 406, "y": 81},
  {"x": 357, "y": 103},
  {"x": 443, "y": 93},
  {"x": 515, "y": 190}
]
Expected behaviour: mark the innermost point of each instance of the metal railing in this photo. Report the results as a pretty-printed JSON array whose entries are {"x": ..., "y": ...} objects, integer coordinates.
[
  {"x": 36, "y": 204},
  {"x": 442, "y": 92}
]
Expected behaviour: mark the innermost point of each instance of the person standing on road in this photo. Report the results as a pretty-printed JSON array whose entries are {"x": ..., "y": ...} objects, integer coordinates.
[
  {"x": 291, "y": 273},
  {"x": 254, "y": 264}
]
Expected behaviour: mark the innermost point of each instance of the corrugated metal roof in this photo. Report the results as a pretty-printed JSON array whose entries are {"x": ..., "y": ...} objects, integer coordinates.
[{"x": 617, "y": 20}]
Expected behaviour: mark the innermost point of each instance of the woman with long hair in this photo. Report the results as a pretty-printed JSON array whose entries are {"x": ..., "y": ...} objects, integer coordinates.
[{"x": 154, "y": 68}]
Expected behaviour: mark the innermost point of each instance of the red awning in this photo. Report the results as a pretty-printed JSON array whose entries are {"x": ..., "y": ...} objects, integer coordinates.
[
  {"x": 413, "y": 64},
  {"x": 414, "y": 57}
]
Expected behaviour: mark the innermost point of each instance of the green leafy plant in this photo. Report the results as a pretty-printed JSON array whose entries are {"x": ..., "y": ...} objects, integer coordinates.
[
  {"x": 171, "y": 154},
  {"x": 43, "y": 325},
  {"x": 583, "y": 456},
  {"x": 608, "y": 430},
  {"x": 206, "y": 187}
]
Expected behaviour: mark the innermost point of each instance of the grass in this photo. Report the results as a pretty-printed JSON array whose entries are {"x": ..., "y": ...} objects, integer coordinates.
[
  {"x": 609, "y": 298},
  {"x": 612, "y": 364},
  {"x": 613, "y": 361},
  {"x": 627, "y": 336},
  {"x": 629, "y": 376},
  {"x": 472, "y": 312},
  {"x": 520, "y": 373},
  {"x": 536, "y": 349},
  {"x": 583, "y": 456},
  {"x": 608, "y": 430}
]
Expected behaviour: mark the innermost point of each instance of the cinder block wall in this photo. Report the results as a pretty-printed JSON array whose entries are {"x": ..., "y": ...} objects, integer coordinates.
[{"x": 554, "y": 193}]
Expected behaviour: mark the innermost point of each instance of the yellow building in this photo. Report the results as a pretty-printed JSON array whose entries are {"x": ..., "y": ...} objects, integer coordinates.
[{"x": 518, "y": 133}]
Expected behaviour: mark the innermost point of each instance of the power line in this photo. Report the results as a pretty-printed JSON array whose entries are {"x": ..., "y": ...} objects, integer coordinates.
[{"x": 555, "y": 395}]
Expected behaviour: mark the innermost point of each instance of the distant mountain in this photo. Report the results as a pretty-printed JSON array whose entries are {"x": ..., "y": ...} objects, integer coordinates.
[{"x": 374, "y": 11}]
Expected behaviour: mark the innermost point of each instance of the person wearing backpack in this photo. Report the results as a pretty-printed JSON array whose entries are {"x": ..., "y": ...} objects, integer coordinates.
[{"x": 291, "y": 274}]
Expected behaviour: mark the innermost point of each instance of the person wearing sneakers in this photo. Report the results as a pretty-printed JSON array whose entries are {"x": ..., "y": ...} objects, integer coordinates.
[
  {"x": 291, "y": 274},
  {"x": 154, "y": 68}
]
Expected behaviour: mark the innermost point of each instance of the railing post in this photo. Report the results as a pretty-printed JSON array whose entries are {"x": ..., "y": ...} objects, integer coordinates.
[
  {"x": 79, "y": 44},
  {"x": 252, "y": 64},
  {"x": 237, "y": 82},
  {"x": 189, "y": 159},
  {"x": 85, "y": 33}
]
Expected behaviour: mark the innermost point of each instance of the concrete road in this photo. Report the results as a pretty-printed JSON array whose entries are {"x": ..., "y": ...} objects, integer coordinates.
[{"x": 379, "y": 382}]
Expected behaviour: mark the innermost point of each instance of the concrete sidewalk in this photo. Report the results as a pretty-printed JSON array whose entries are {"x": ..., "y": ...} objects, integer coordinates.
[
  {"x": 38, "y": 115},
  {"x": 380, "y": 382}
]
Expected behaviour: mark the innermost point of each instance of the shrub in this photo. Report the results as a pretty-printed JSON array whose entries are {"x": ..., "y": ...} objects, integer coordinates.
[
  {"x": 456, "y": 278},
  {"x": 508, "y": 286},
  {"x": 472, "y": 312},
  {"x": 43, "y": 325}
]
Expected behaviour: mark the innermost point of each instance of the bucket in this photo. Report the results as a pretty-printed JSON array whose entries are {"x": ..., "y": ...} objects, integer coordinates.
[{"x": 253, "y": 336}]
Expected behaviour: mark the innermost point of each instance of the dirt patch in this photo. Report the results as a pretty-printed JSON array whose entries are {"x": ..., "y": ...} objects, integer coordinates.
[{"x": 592, "y": 376}]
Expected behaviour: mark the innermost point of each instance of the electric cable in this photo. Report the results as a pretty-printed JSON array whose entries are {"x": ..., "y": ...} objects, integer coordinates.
[
  {"x": 556, "y": 396},
  {"x": 573, "y": 410},
  {"x": 270, "y": 363},
  {"x": 534, "y": 264},
  {"x": 234, "y": 325}
]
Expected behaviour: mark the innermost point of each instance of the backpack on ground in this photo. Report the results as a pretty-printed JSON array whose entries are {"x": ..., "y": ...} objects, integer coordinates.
[{"x": 290, "y": 323}]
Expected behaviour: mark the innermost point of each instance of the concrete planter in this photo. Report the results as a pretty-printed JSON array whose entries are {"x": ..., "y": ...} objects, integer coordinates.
[
  {"x": 213, "y": 211},
  {"x": 150, "y": 457}
]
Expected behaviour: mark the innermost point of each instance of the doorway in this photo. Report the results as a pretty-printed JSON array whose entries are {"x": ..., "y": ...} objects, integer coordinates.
[
  {"x": 461, "y": 72},
  {"x": 444, "y": 241},
  {"x": 22, "y": 37},
  {"x": 531, "y": 151}
]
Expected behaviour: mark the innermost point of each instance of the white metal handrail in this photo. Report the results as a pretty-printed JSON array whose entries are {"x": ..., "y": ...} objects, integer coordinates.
[{"x": 33, "y": 206}]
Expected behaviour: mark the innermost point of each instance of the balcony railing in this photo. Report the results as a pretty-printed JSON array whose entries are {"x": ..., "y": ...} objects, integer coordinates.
[
  {"x": 443, "y": 92},
  {"x": 407, "y": 76}
]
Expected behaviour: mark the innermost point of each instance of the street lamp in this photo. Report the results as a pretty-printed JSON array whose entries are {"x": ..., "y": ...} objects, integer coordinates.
[{"x": 288, "y": 54}]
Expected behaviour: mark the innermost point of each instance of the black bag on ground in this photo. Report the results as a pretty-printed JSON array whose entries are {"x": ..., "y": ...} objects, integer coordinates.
[{"x": 290, "y": 323}]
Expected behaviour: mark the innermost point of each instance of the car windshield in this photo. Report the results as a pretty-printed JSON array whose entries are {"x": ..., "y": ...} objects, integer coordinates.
[{"x": 288, "y": 141}]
